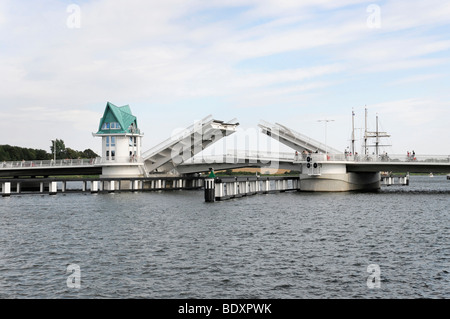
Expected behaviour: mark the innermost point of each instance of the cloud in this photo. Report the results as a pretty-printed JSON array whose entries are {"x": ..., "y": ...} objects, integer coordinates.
[
  {"x": 243, "y": 53},
  {"x": 415, "y": 122},
  {"x": 412, "y": 112},
  {"x": 397, "y": 15},
  {"x": 81, "y": 120},
  {"x": 416, "y": 78}
]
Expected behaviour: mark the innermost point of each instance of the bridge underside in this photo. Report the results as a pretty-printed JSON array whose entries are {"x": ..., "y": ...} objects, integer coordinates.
[
  {"x": 409, "y": 167},
  {"x": 205, "y": 167},
  {"x": 51, "y": 171}
]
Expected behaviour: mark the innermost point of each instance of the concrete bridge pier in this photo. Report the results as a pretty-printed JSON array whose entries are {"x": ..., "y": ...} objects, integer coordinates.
[
  {"x": 52, "y": 188},
  {"x": 333, "y": 177},
  {"x": 210, "y": 192},
  {"x": 6, "y": 189}
]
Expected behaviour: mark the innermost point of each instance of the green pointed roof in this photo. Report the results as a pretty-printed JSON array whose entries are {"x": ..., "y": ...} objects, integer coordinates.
[{"x": 117, "y": 114}]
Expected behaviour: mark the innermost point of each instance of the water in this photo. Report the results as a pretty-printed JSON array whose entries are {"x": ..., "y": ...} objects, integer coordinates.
[{"x": 174, "y": 245}]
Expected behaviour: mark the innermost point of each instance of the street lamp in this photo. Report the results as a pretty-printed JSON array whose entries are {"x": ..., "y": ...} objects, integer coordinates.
[
  {"x": 54, "y": 149},
  {"x": 326, "y": 123}
]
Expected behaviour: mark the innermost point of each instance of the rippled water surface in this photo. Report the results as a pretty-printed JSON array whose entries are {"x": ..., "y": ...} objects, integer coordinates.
[{"x": 174, "y": 245}]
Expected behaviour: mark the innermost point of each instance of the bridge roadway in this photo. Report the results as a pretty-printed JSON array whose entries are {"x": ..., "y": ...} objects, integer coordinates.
[
  {"x": 384, "y": 163},
  {"x": 240, "y": 159},
  {"x": 405, "y": 167},
  {"x": 51, "y": 168},
  {"x": 169, "y": 154}
]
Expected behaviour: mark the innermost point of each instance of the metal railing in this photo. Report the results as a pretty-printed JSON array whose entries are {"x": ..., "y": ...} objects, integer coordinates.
[
  {"x": 50, "y": 163},
  {"x": 176, "y": 138},
  {"x": 120, "y": 160},
  {"x": 295, "y": 137},
  {"x": 374, "y": 158},
  {"x": 237, "y": 156},
  {"x": 70, "y": 162}
]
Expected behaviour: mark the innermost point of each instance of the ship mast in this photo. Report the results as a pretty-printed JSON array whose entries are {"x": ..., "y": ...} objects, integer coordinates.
[
  {"x": 377, "y": 135},
  {"x": 353, "y": 132},
  {"x": 365, "y": 134}
]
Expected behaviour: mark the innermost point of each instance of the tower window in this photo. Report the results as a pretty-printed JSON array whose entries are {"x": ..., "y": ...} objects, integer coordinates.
[{"x": 111, "y": 126}]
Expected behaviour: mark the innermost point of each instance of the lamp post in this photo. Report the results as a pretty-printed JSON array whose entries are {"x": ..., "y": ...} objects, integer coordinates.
[
  {"x": 326, "y": 123},
  {"x": 54, "y": 149}
]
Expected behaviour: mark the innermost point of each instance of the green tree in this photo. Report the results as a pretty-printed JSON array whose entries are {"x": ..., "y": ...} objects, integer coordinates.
[
  {"x": 60, "y": 148},
  {"x": 70, "y": 153},
  {"x": 88, "y": 153},
  {"x": 4, "y": 156}
]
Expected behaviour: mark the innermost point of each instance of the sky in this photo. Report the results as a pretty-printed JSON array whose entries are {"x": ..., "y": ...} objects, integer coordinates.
[{"x": 175, "y": 62}]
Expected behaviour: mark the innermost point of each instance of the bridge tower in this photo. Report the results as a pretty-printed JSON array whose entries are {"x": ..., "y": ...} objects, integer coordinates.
[{"x": 121, "y": 142}]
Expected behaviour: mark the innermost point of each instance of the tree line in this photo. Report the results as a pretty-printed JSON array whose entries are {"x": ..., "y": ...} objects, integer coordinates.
[{"x": 16, "y": 153}]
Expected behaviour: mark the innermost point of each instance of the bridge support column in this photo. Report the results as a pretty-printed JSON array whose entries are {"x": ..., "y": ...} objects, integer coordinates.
[
  {"x": 94, "y": 187},
  {"x": 52, "y": 188},
  {"x": 266, "y": 186},
  {"x": 235, "y": 189},
  {"x": 109, "y": 186},
  {"x": 134, "y": 185},
  {"x": 335, "y": 178},
  {"x": 6, "y": 189},
  {"x": 210, "y": 192},
  {"x": 219, "y": 190}
]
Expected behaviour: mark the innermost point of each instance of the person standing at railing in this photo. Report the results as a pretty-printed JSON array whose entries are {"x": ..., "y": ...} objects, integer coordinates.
[{"x": 304, "y": 155}]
